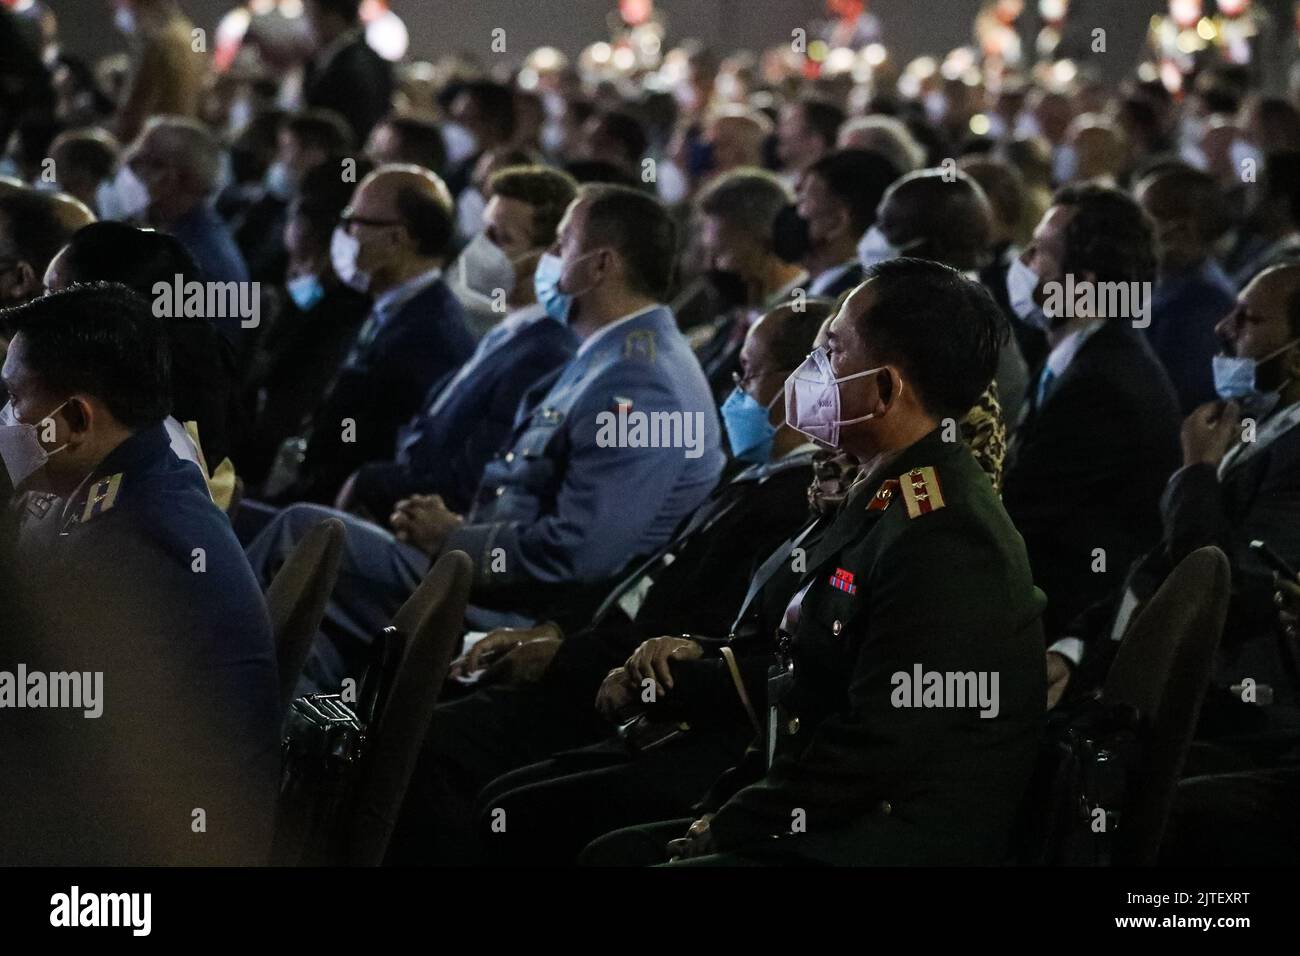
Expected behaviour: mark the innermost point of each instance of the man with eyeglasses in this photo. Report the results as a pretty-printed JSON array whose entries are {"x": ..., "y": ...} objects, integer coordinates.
[{"x": 391, "y": 243}]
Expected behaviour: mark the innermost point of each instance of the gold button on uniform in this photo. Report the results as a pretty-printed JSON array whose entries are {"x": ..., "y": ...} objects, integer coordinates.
[
  {"x": 510, "y": 456},
  {"x": 837, "y": 627},
  {"x": 886, "y": 807},
  {"x": 793, "y": 726},
  {"x": 501, "y": 490}
]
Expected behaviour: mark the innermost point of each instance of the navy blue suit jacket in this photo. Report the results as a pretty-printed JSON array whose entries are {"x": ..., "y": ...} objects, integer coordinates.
[
  {"x": 445, "y": 452},
  {"x": 381, "y": 385}
]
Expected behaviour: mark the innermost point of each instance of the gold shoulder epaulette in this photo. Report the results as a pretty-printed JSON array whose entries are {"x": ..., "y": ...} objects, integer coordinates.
[
  {"x": 921, "y": 492},
  {"x": 640, "y": 343},
  {"x": 102, "y": 496}
]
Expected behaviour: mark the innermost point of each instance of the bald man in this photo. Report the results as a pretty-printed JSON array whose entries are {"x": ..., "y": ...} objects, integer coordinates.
[
  {"x": 736, "y": 137},
  {"x": 946, "y": 218},
  {"x": 1193, "y": 293},
  {"x": 392, "y": 243}
]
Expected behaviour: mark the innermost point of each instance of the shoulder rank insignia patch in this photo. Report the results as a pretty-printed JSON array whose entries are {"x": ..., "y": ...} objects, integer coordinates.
[
  {"x": 640, "y": 343},
  {"x": 921, "y": 492},
  {"x": 883, "y": 496},
  {"x": 39, "y": 504},
  {"x": 102, "y": 496},
  {"x": 844, "y": 581}
]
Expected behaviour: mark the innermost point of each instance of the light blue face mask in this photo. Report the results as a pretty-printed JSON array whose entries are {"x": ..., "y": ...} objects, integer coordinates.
[
  {"x": 1235, "y": 381},
  {"x": 546, "y": 285},
  {"x": 749, "y": 431},
  {"x": 306, "y": 291}
]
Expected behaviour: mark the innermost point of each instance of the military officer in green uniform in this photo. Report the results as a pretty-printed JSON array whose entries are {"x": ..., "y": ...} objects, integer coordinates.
[{"x": 902, "y": 709}]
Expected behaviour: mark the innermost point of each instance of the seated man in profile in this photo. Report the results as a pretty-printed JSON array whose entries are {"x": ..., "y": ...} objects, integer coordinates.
[
  {"x": 137, "y": 577},
  {"x": 900, "y": 713}
]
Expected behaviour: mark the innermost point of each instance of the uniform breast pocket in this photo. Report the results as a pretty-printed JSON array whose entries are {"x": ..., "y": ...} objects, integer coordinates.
[{"x": 826, "y": 619}]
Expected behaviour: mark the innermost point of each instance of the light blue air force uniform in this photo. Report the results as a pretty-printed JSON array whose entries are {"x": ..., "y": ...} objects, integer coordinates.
[
  {"x": 579, "y": 491},
  {"x": 582, "y": 490}
]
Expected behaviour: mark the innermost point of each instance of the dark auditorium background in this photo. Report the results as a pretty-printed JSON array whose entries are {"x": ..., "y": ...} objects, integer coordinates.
[{"x": 730, "y": 24}]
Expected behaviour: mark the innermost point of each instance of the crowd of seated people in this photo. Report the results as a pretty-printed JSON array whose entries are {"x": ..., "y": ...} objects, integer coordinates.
[{"x": 936, "y": 395}]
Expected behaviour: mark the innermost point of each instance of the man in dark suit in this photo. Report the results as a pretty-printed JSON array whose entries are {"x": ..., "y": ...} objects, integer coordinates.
[
  {"x": 837, "y": 199},
  {"x": 345, "y": 74},
  {"x": 1100, "y": 434},
  {"x": 392, "y": 243},
  {"x": 1194, "y": 293},
  {"x": 1238, "y": 483},
  {"x": 854, "y": 763},
  {"x": 535, "y": 696}
]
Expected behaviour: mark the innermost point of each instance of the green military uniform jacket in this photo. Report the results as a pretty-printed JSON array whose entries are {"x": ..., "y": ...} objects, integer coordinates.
[{"x": 920, "y": 573}]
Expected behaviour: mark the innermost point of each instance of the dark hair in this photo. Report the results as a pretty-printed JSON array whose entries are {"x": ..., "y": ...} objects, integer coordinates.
[
  {"x": 320, "y": 129},
  {"x": 640, "y": 229},
  {"x": 422, "y": 142},
  {"x": 348, "y": 10},
  {"x": 102, "y": 340},
  {"x": 798, "y": 330},
  {"x": 323, "y": 194},
  {"x": 429, "y": 221},
  {"x": 33, "y": 228},
  {"x": 496, "y": 105},
  {"x": 1282, "y": 181},
  {"x": 823, "y": 117},
  {"x": 547, "y": 190},
  {"x": 626, "y": 130},
  {"x": 136, "y": 258},
  {"x": 84, "y": 150},
  {"x": 858, "y": 178},
  {"x": 601, "y": 171},
  {"x": 1190, "y": 195},
  {"x": 943, "y": 329},
  {"x": 1109, "y": 235}
]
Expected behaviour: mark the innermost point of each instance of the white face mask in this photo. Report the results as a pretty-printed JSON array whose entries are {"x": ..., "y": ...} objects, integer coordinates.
[
  {"x": 123, "y": 198},
  {"x": 812, "y": 399},
  {"x": 1022, "y": 283},
  {"x": 460, "y": 142},
  {"x": 124, "y": 20},
  {"x": 20, "y": 445},
  {"x": 874, "y": 248},
  {"x": 344, "y": 248},
  {"x": 483, "y": 267}
]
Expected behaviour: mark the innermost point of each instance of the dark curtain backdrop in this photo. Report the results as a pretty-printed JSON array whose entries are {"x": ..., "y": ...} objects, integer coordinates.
[{"x": 911, "y": 27}]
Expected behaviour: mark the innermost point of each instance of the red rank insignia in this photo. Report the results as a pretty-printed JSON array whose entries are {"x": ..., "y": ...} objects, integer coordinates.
[
  {"x": 883, "y": 496},
  {"x": 921, "y": 492},
  {"x": 844, "y": 581}
]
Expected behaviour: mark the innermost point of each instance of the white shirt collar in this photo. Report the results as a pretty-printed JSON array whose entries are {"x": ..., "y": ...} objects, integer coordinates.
[
  {"x": 1059, "y": 359},
  {"x": 590, "y": 341},
  {"x": 828, "y": 278}
]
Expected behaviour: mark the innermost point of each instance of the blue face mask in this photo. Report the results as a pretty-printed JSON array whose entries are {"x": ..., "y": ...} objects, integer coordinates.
[
  {"x": 748, "y": 430},
  {"x": 306, "y": 291},
  {"x": 546, "y": 283},
  {"x": 1234, "y": 380}
]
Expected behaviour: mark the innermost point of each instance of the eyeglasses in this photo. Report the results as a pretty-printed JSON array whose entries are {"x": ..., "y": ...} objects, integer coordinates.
[
  {"x": 743, "y": 382},
  {"x": 347, "y": 220}
]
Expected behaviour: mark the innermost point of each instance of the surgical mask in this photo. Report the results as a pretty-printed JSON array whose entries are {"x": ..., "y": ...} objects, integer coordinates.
[
  {"x": 546, "y": 284},
  {"x": 460, "y": 142},
  {"x": 124, "y": 20},
  {"x": 278, "y": 182},
  {"x": 874, "y": 248},
  {"x": 1243, "y": 151},
  {"x": 1022, "y": 282},
  {"x": 1235, "y": 380},
  {"x": 812, "y": 399},
  {"x": 344, "y": 249},
  {"x": 470, "y": 206},
  {"x": 306, "y": 291},
  {"x": 484, "y": 267},
  {"x": 20, "y": 445},
  {"x": 749, "y": 432},
  {"x": 123, "y": 198},
  {"x": 1065, "y": 165}
]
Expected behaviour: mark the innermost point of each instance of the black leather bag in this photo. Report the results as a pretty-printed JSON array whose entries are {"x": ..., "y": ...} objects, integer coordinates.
[{"x": 323, "y": 759}]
